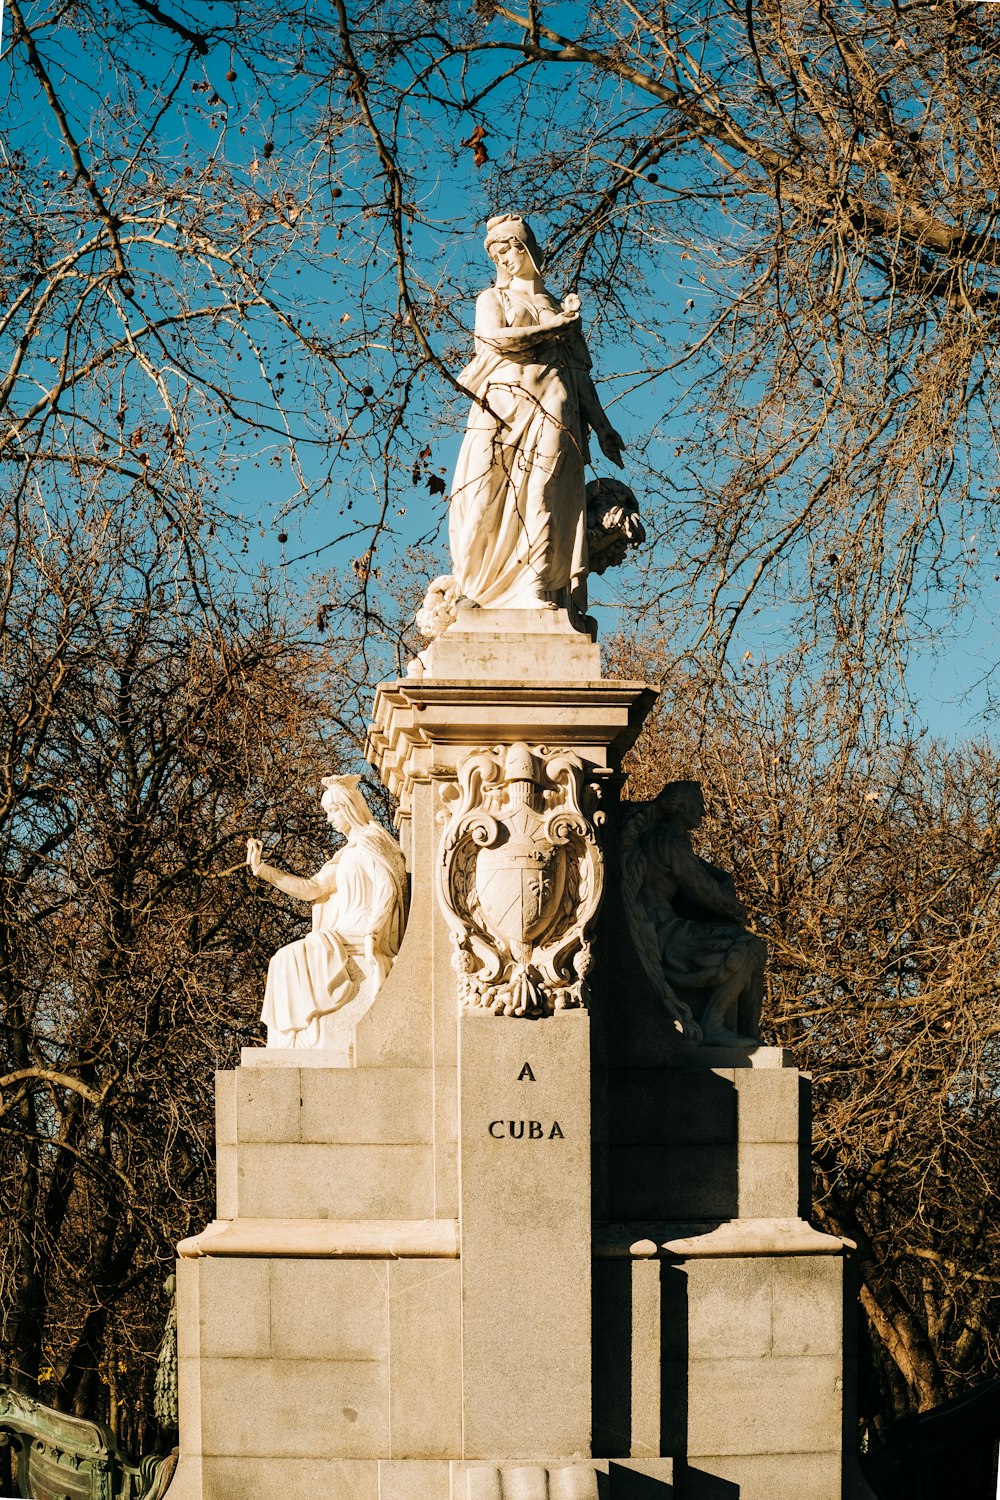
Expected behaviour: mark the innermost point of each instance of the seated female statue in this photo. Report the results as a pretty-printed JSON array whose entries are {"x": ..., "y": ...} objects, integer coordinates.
[{"x": 357, "y": 924}]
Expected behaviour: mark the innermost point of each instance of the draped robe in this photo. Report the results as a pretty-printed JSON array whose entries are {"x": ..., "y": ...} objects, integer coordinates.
[
  {"x": 357, "y": 895},
  {"x": 518, "y": 509}
]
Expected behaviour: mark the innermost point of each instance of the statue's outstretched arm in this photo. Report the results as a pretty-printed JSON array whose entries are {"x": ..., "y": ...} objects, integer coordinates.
[{"x": 302, "y": 887}]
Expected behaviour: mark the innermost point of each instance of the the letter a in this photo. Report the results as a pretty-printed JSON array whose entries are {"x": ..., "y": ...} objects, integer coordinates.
[{"x": 526, "y": 1075}]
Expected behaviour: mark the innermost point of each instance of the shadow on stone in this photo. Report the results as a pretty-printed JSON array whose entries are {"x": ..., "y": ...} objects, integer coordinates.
[
  {"x": 613, "y": 1358},
  {"x": 695, "y": 1484},
  {"x": 628, "y": 1484},
  {"x": 672, "y": 1146},
  {"x": 673, "y": 1359}
]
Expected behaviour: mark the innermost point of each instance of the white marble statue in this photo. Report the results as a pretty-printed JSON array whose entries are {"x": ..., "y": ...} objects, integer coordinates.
[
  {"x": 688, "y": 923},
  {"x": 357, "y": 922},
  {"x": 518, "y": 510}
]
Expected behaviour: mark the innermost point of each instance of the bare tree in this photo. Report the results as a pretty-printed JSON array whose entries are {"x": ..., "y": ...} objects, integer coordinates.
[
  {"x": 245, "y": 257},
  {"x": 873, "y": 872},
  {"x": 138, "y": 748},
  {"x": 820, "y": 182},
  {"x": 190, "y": 308}
]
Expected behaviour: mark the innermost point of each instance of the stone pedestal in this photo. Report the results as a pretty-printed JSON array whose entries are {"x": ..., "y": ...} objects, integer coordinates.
[
  {"x": 500, "y": 1258},
  {"x": 525, "y": 1215},
  {"x": 719, "y": 1311}
]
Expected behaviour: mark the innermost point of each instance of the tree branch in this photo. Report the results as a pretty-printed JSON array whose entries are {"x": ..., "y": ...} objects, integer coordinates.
[{"x": 22, "y": 33}]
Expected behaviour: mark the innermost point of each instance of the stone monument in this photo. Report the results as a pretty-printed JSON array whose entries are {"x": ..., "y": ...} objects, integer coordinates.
[{"x": 527, "y": 1217}]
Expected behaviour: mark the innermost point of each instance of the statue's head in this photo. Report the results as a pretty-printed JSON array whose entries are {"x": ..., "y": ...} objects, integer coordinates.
[
  {"x": 504, "y": 229},
  {"x": 682, "y": 800},
  {"x": 341, "y": 794}
]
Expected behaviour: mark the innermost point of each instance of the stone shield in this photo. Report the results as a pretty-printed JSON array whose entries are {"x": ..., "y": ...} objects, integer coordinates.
[{"x": 520, "y": 886}]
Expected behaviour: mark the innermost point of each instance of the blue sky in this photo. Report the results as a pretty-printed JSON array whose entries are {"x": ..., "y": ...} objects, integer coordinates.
[{"x": 454, "y": 198}]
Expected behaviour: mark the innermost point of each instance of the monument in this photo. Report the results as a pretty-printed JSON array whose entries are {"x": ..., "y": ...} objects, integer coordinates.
[{"x": 515, "y": 1207}]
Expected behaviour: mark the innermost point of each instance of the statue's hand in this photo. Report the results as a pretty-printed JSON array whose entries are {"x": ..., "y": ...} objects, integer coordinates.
[
  {"x": 612, "y": 445},
  {"x": 255, "y": 855}
]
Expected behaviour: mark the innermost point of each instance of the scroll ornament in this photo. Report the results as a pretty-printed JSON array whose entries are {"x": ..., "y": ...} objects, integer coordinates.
[{"x": 520, "y": 878}]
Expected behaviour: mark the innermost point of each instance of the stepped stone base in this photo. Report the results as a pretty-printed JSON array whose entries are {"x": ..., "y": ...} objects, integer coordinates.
[
  {"x": 464, "y": 1256},
  {"x": 431, "y": 1479}
]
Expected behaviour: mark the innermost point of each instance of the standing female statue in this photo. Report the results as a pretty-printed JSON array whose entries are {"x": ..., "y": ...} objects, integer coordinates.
[
  {"x": 357, "y": 922},
  {"x": 518, "y": 509}
]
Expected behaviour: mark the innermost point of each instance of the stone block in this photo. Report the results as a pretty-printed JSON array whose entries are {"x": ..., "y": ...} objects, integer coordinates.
[
  {"x": 398, "y": 1030},
  {"x": 299, "y": 1057},
  {"x": 765, "y": 1406},
  {"x": 688, "y": 1056},
  {"x": 526, "y": 1262},
  {"x": 768, "y": 1104},
  {"x": 425, "y": 1358},
  {"x": 644, "y": 1441},
  {"x": 498, "y": 645},
  {"x": 414, "y": 1479},
  {"x": 189, "y": 1404},
  {"x": 613, "y": 1366},
  {"x": 652, "y": 1318},
  {"x": 672, "y": 1182},
  {"x": 290, "y": 1181},
  {"x": 235, "y": 1303},
  {"x": 768, "y": 1180},
  {"x": 359, "y": 1106},
  {"x": 290, "y": 1478},
  {"x": 226, "y": 1179},
  {"x": 661, "y": 1106},
  {"x": 808, "y": 1314},
  {"x": 188, "y": 1307},
  {"x": 729, "y": 1308},
  {"x": 225, "y": 1108},
  {"x": 267, "y": 1104},
  {"x": 268, "y": 1408},
  {"x": 804, "y": 1476},
  {"x": 329, "y": 1309}
]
